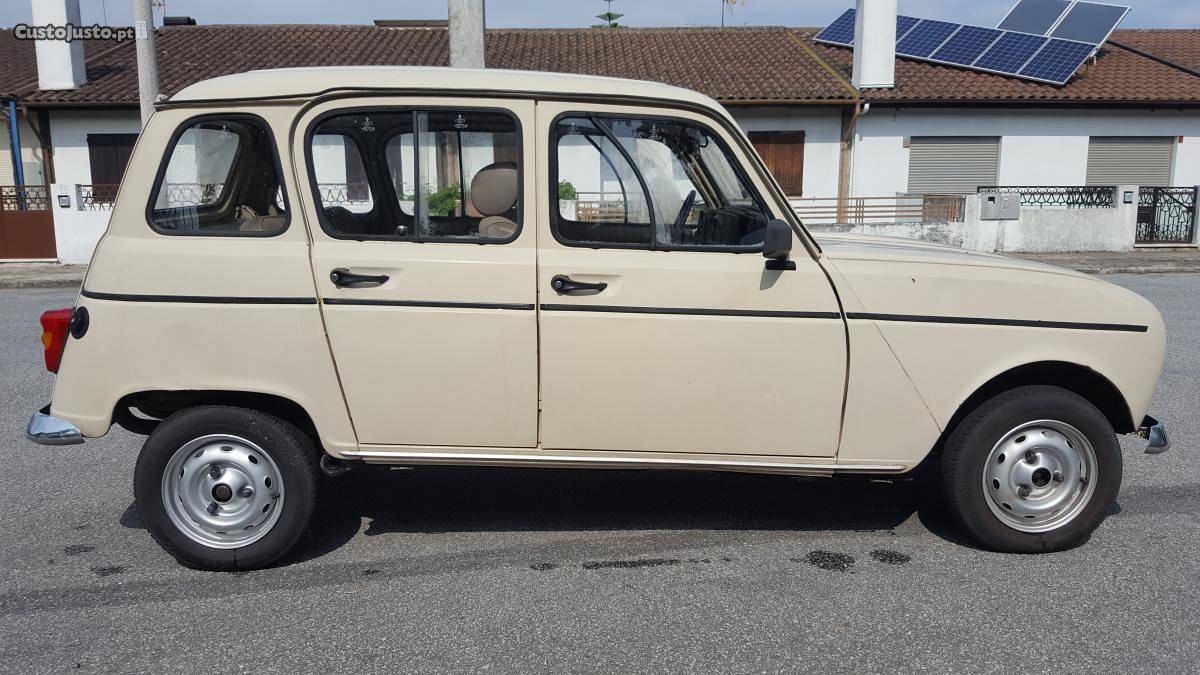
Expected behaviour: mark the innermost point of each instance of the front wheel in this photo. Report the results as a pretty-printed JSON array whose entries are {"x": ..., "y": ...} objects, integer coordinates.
[
  {"x": 1034, "y": 469},
  {"x": 225, "y": 488}
]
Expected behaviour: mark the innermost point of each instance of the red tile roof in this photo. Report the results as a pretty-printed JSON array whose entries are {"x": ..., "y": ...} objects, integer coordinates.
[
  {"x": 19, "y": 67},
  {"x": 766, "y": 65}
]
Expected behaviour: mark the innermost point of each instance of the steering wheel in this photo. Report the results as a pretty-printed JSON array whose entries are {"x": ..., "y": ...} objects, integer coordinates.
[{"x": 685, "y": 209}]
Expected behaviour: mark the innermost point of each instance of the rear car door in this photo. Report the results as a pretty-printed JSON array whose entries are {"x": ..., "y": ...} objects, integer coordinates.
[
  {"x": 425, "y": 266},
  {"x": 679, "y": 339}
]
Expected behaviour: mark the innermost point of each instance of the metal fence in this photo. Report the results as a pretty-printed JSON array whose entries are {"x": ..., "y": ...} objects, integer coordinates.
[
  {"x": 1166, "y": 215},
  {"x": 25, "y": 197},
  {"x": 95, "y": 197},
  {"x": 1059, "y": 196},
  {"x": 913, "y": 208}
]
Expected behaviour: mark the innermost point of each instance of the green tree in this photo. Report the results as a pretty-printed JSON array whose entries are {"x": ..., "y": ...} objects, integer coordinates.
[
  {"x": 609, "y": 17},
  {"x": 566, "y": 190}
]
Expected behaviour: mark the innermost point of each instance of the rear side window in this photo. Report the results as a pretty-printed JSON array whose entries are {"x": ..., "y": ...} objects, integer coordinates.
[
  {"x": 221, "y": 177},
  {"x": 651, "y": 183},
  {"x": 418, "y": 175}
]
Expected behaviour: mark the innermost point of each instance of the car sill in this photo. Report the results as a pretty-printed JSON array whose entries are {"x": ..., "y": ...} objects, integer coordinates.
[{"x": 565, "y": 460}]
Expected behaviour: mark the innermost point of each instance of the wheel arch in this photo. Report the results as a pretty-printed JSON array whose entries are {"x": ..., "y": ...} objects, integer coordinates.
[
  {"x": 157, "y": 404},
  {"x": 1079, "y": 379}
]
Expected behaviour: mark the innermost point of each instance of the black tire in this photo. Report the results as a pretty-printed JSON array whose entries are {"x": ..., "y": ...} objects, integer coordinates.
[
  {"x": 292, "y": 452},
  {"x": 970, "y": 443}
]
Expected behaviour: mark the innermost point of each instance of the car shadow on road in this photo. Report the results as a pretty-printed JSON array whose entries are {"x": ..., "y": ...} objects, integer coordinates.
[{"x": 457, "y": 499}]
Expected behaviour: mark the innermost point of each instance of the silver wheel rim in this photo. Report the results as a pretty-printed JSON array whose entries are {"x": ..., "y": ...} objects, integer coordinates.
[
  {"x": 1040, "y": 476},
  {"x": 222, "y": 491}
]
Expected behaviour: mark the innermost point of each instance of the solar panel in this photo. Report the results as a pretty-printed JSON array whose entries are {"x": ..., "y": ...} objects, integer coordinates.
[
  {"x": 925, "y": 38},
  {"x": 1010, "y": 52},
  {"x": 1058, "y": 60},
  {"x": 904, "y": 24},
  {"x": 1034, "y": 16},
  {"x": 841, "y": 31},
  {"x": 1074, "y": 36},
  {"x": 966, "y": 45},
  {"x": 1089, "y": 22}
]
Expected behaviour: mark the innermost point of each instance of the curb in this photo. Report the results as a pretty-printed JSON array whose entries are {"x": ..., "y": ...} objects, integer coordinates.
[{"x": 15, "y": 284}]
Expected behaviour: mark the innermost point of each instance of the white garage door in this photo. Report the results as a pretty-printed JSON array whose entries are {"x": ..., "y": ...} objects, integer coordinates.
[
  {"x": 952, "y": 164},
  {"x": 1130, "y": 160}
]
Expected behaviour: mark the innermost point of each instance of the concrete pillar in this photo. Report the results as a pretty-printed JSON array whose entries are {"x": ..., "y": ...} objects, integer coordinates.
[
  {"x": 874, "y": 45},
  {"x": 147, "y": 57},
  {"x": 467, "y": 22},
  {"x": 1196, "y": 216},
  {"x": 59, "y": 62},
  {"x": 1128, "y": 216}
]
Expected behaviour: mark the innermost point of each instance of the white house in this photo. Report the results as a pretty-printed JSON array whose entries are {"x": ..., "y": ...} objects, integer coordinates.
[{"x": 1131, "y": 116}]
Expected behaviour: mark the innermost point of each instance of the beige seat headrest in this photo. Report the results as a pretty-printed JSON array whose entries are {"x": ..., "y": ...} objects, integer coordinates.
[{"x": 494, "y": 188}]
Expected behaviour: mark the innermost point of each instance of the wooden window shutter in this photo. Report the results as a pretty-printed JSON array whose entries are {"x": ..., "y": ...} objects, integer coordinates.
[
  {"x": 783, "y": 152},
  {"x": 108, "y": 154}
]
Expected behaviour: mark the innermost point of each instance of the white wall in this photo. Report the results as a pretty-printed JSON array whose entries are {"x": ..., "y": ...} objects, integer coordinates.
[
  {"x": 822, "y": 127},
  {"x": 69, "y": 130},
  {"x": 75, "y": 232},
  {"x": 1037, "y": 147}
]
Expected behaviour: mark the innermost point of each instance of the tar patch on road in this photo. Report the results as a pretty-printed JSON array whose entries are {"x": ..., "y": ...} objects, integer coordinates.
[
  {"x": 890, "y": 557},
  {"x": 78, "y": 549},
  {"x": 828, "y": 560},
  {"x": 633, "y": 564},
  {"x": 108, "y": 570}
]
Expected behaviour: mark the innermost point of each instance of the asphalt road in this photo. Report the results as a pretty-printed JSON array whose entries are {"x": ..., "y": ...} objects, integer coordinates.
[{"x": 509, "y": 570}]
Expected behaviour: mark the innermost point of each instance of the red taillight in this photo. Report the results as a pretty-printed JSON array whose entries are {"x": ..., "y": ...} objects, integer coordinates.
[{"x": 56, "y": 325}]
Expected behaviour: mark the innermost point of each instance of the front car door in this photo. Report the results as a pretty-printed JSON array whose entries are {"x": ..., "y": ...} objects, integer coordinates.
[
  {"x": 660, "y": 328},
  {"x": 424, "y": 257}
]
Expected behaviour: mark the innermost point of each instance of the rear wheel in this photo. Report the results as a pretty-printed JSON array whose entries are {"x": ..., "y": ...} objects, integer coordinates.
[
  {"x": 1034, "y": 469},
  {"x": 225, "y": 488}
]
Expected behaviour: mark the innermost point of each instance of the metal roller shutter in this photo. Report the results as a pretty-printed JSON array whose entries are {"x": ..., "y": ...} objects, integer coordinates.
[
  {"x": 6, "y": 165},
  {"x": 952, "y": 164},
  {"x": 1130, "y": 160}
]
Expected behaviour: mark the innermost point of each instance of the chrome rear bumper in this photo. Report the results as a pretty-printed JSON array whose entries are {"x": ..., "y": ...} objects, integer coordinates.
[
  {"x": 1155, "y": 432},
  {"x": 45, "y": 429}
]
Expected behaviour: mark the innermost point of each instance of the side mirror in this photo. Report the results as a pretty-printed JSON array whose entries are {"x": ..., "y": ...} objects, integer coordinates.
[{"x": 777, "y": 245}]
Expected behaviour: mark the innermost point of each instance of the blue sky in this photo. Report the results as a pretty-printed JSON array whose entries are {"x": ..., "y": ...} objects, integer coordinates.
[{"x": 577, "y": 13}]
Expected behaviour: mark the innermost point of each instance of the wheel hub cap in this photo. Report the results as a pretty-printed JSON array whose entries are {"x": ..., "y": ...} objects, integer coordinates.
[
  {"x": 1040, "y": 475},
  {"x": 222, "y": 491}
]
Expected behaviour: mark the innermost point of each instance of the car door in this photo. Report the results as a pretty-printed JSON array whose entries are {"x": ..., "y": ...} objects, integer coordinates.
[
  {"x": 424, "y": 257},
  {"x": 660, "y": 327}
]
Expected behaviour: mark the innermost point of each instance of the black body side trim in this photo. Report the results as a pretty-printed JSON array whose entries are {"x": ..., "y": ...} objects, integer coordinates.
[
  {"x": 202, "y": 299},
  {"x": 981, "y": 321},
  {"x": 691, "y": 311},
  {"x": 427, "y": 303}
]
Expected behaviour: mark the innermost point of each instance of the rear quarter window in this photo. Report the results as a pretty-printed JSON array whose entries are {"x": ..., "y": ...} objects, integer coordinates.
[{"x": 220, "y": 176}]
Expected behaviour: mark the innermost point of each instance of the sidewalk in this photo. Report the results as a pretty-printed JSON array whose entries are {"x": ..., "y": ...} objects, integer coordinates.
[
  {"x": 41, "y": 275},
  {"x": 1141, "y": 261}
]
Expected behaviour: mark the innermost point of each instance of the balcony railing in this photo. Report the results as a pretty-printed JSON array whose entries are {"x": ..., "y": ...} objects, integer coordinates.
[
  {"x": 897, "y": 209},
  {"x": 24, "y": 197},
  {"x": 1059, "y": 196},
  {"x": 95, "y": 197}
]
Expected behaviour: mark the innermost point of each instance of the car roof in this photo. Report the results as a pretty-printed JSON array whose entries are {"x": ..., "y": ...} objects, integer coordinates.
[{"x": 308, "y": 82}]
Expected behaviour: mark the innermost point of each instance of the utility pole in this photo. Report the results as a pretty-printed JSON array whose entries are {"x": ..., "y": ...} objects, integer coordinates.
[
  {"x": 467, "y": 20},
  {"x": 147, "y": 58}
]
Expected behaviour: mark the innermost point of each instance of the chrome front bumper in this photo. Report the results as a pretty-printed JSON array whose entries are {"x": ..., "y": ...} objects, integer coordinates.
[
  {"x": 45, "y": 429},
  {"x": 1155, "y": 432}
]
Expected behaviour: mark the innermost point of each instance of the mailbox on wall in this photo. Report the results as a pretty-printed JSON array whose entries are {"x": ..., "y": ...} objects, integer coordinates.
[{"x": 1000, "y": 206}]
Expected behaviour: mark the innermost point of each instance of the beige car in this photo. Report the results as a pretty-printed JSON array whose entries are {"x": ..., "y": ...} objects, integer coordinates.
[{"x": 309, "y": 269}]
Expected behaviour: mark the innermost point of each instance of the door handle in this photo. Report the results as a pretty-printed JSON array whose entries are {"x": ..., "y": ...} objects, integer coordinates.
[
  {"x": 344, "y": 277},
  {"x": 563, "y": 284}
]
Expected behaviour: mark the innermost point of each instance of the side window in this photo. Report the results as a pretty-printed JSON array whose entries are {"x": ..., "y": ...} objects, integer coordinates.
[
  {"x": 222, "y": 178},
  {"x": 424, "y": 175},
  {"x": 640, "y": 182}
]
